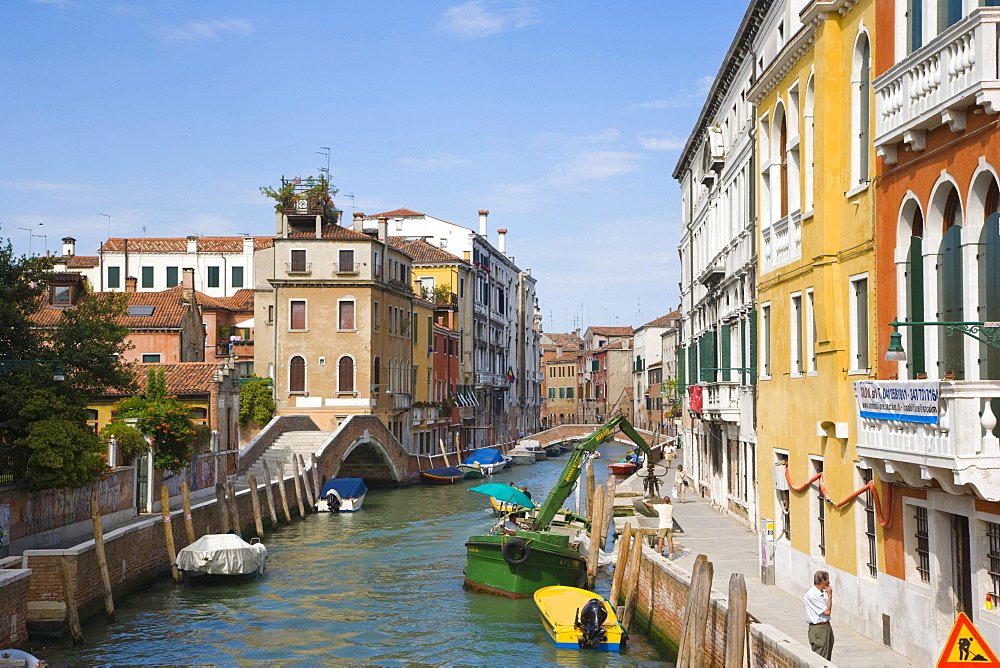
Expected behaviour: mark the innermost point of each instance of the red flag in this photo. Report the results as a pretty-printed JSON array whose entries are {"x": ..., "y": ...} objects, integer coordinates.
[{"x": 695, "y": 403}]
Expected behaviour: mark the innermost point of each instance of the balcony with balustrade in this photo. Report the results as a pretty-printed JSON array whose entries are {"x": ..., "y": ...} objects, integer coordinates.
[
  {"x": 960, "y": 453},
  {"x": 721, "y": 401},
  {"x": 937, "y": 83}
]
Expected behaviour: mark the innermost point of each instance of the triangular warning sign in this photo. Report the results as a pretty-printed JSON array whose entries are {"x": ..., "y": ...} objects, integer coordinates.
[{"x": 965, "y": 647}]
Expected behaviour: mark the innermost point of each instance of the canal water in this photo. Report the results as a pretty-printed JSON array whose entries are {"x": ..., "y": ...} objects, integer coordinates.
[{"x": 381, "y": 586}]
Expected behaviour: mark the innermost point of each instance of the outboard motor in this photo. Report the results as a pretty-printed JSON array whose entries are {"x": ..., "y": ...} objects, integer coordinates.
[
  {"x": 591, "y": 623},
  {"x": 333, "y": 501}
]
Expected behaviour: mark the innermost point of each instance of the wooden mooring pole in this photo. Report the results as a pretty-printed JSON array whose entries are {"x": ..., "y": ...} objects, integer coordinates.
[
  {"x": 691, "y": 649},
  {"x": 102, "y": 559},
  {"x": 188, "y": 520},
  {"x": 736, "y": 620},
  {"x": 269, "y": 493},
  {"x": 623, "y": 550},
  {"x": 609, "y": 508},
  {"x": 69, "y": 595},
  {"x": 234, "y": 512},
  {"x": 444, "y": 453},
  {"x": 305, "y": 483},
  {"x": 596, "y": 529},
  {"x": 590, "y": 487},
  {"x": 632, "y": 588},
  {"x": 258, "y": 521},
  {"x": 297, "y": 483},
  {"x": 284, "y": 492},
  {"x": 168, "y": 532},
  {"x": 221, "y": 507},
  {"x": 317, "y": 485}
]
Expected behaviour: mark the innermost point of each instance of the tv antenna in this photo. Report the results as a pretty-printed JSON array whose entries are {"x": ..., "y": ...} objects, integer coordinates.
[{"x": 326, "y": 152}]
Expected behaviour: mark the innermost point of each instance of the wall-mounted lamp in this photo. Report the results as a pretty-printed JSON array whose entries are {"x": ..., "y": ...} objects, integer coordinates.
[{"x": 985, "y": 332}]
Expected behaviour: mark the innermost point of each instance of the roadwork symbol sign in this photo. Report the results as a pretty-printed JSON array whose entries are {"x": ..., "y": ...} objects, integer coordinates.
[{"x": 966, "y": 647}]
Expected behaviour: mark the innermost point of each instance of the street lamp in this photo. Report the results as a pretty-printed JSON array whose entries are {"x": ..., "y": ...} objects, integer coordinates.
[{"x": 985, "y": 332}]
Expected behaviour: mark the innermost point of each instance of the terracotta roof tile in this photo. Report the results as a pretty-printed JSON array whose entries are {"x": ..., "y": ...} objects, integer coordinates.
[
  {"x": 168, "y": 310},
  {"x": 241, "y": 301},
  {"x": 179, "y": 244},
  {"x": 612, "y": 331},
  {"x": 77, "y": 261},
  {"x": 668, "y": 320},
  {"x": 396, "y": 213},
  {"x": 329, "y": 232},
  {"x": 423, "y": 252},
  {"x": 184, "y": 378}
]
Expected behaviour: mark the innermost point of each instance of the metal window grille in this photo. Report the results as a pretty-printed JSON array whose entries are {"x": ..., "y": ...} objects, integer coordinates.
[
  {"x": 786, "y": 518},
  {"x": 869, "y": 506},
  {"x": 821, "y": 516},
  {"x": 993, "y": 533},
  {"x": 923, "y": 545}
]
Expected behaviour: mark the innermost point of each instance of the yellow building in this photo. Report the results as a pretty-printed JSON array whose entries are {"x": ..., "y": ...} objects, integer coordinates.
[
  {"x": 561, "y": 391},
  {"x": 815, "y": 276}
]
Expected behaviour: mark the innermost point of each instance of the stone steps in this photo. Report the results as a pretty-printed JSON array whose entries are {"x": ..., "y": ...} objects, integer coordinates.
[{"x": 289, "y": 444}]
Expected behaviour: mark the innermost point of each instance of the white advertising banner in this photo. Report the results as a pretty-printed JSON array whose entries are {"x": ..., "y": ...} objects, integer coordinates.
[{"x": 907, "y": 401}]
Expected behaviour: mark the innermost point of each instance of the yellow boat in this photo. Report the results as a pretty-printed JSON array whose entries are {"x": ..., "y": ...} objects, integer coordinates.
[{"x": 579, "y": 619}]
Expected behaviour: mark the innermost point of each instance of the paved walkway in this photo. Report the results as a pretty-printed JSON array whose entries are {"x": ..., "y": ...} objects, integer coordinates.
[{"x": 732, "y": 548}]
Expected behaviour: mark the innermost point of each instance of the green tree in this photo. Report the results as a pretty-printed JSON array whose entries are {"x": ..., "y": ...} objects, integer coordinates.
[
  {"x": 256, "y": 401},
  {"x": 163, "y": 418},
  {"x": 43, "y": 422}
]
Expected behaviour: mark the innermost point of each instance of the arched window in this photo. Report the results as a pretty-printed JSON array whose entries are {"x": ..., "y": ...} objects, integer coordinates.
[
  {"x": 913, "y": 217},
  {"x": 783, "y": 174},
  {"x": 989, "y": 269},
  {"x": 861, "y": 83},
  {"x": 808, "y": 123},
  {"x": 950, "y": 287},
  {"x": 345, "y": 374},
  {"x": 297, "y": 374}
]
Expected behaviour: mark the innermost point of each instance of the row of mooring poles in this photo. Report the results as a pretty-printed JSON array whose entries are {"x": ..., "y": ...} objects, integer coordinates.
[{"x": 307, "y": 489}]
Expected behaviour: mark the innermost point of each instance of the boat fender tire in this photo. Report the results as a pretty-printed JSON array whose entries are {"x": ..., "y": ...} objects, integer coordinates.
[{"x": 516, "y": 551}]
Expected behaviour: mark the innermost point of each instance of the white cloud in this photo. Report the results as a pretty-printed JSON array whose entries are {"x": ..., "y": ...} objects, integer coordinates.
[
  {"x": 590, "y": 166},
  {"x": 41, "y": 186},
  {"x": 446, "y": 161},
  {"x": 199, "y": 30},
  {"x": 685, "y": 97},
  {"x": 661, "y": 143},
  {"x": 481, "y": 18},
  {"x": 55, "y": 3}
]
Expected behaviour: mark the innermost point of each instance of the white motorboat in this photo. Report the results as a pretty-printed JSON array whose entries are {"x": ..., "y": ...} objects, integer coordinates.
[
  {"x": 342, "y": 495},
  {"x": 519, "y": 456},
  {"x": 534, "y": 447},
  {"x": 222, "y": 557},
  {"x": 483, "y": 462}
]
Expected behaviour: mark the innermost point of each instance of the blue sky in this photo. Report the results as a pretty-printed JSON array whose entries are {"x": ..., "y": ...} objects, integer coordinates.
[{"x": 564, "y": 119}]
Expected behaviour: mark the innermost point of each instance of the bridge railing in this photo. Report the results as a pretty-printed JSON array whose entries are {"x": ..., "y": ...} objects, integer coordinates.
[{"x": 278, "y": 425}]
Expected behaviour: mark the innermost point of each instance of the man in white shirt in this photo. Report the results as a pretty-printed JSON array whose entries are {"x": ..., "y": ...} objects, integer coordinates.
[
  {"x": 665, "y": 529},
  {"x": 818, "y": 603}
]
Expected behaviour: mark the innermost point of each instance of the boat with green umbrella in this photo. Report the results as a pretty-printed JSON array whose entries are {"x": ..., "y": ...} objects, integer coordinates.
[{"x": 542, "y": 554}]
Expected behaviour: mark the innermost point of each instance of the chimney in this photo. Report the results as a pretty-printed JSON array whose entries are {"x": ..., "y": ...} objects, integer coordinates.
[
  {"x": 69, "y": 246},
  {"x": 187, "y": 285},
  {"x": 359, "y": 222},
  {"x": 130, "y": 282},
  {"x": 482, "y": 221},
  {"x": 247, "y": 245},
  {"x": 502, "y": 241},
  {"x": 383, "y": 229},
  {"x": 192, "y": 246}
]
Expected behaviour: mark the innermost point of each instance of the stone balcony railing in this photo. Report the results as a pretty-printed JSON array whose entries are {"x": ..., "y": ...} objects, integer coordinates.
[
  {"x": 400, "y": 400},
  {"x": 961, "y": 452},
  {"x": 721, "y": 401},
  {"x": 492, "y": 379},
  {"x": 936, "y": 83}
]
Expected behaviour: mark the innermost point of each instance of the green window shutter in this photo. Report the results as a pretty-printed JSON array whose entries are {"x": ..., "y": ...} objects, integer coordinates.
[
  {"x": 172, "y": 277},
  {"x": 562, "y": 392},
  {"x": 724, "y": 352},
  {"x": 147, "y": 277},
  {"x": 915, "y": 285},
  {"x": 595, "y": 365},
  {"x": 114, "y": 277},
  {"x": 213, "y": 277},
  {"x": 706, "y": 354},
  {"x": 237, "y": 277},
  {"x": 569, "y": 392},
  {"x": 950, "y": 301},
  {"x": 752, "y": 327},
  {"x": 681, "y": 370},
  {"x": 693, "y": 363},
  {"x": 552, "y": 393}
]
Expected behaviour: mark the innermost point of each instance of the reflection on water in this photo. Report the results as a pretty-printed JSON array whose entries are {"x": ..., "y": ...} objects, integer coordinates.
[{"x": 381, "y": 586}]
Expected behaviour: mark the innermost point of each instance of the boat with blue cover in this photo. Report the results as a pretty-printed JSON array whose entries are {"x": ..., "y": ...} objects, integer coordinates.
[
  {"x": 342, "y": 495},
  {"x": 483, "y": 462},
  {"x": 442, "y": 475}
]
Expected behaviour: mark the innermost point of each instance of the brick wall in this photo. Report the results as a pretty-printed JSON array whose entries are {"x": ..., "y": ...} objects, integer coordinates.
[
  {"x": 663, "y": 590},
  {"x": 13, "y": 607}
]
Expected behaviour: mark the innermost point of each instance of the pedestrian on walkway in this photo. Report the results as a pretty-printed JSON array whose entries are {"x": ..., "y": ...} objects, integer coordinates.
[
  {"x": 665, "y": 529},
  {"x": 681, "y": 483},
  {"x": 818, "y": 603}
]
